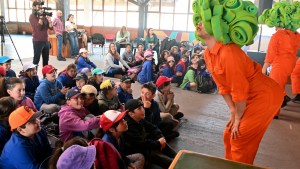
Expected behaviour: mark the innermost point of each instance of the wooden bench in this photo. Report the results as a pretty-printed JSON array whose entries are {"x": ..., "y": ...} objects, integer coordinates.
[{"x": 192, "y": 160}]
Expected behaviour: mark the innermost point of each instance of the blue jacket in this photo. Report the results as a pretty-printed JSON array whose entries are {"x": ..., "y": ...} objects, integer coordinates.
[
  {"x": 5, "y": 134},
  {"x": 84, "y": 63},
  {"x": 123, "y": 95},
  {"x": 10, "y": 73},
  {"x": 30, "y": 85},
  {"x": 146, "y": 74},
  {"x": 168, "y": 72},
  {"x": 23, "y": 153},
  {"x": 48, "y": 92},
  {"x": 66, "y": 80}
]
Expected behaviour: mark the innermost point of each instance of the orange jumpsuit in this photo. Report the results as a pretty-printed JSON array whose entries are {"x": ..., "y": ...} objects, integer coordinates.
[
  {"x": 295, "y": 77},
  {"x": 282, "y": 51},
  {"x": 237, "y": 75}
]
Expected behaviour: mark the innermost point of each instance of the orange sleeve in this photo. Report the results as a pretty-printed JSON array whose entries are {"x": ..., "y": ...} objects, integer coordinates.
[
  {"x": 272, "y": 49},
  {"x": 235, "y": 72}
]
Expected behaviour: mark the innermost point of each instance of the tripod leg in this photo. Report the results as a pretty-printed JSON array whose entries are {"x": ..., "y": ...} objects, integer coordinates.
[{"x": 11, "y": 41}]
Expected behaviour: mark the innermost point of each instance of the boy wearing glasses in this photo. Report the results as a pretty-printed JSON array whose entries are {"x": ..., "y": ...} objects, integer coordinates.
[
  {"x": 49, "y": 95},
  {"x": 72, "y": 117},
  {"x": 28, "y": 145}
]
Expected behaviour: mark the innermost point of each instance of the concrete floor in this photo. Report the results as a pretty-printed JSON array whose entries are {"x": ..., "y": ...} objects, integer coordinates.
[{"x": 205, "y": 117}]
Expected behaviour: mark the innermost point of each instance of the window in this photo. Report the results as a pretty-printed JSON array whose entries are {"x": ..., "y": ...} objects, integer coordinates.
[
  {"x": 20, "y": 10},
  {"x": 77, "y": 9},
  {"x": 97, "y": 18},
  {"x": 109, "y": 5},
  {"x": 133, "y": 19},
  {"x": 97, "y": 5},
  {"x": 166, "y": 21},
  {"x": 109, "y": 19},
  {"x": 167, "y": 6},
  {"x": 120, "y": 19},
  {"x": 153, "y": 20}
]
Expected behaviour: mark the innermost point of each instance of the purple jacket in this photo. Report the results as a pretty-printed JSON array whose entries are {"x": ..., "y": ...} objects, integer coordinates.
[
  {"x": 72, "y": 120},
  {"x": 26, "y": 101}
]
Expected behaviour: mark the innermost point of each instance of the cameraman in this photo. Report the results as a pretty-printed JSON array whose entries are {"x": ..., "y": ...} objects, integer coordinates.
[{"x": 40, "y": 25}]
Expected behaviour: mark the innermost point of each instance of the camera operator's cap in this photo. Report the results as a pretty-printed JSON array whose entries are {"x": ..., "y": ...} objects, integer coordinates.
[
  {"x": 77, "y": 156},
  {"x": 83, "y": 50},
  {"x": 80, "y": 76},
  {"x": 126, "y": 78},
  {"x": 72, "y": 94},
  {"x": 161, "y": 80},
  {"x": 21, "y": 116},
  {"x": 2, "y": 71},
  {"x": 132, "y": 104},
  {"x": 107, "y": 85},
  {"x": 97, "y": 71},
  {"x": 28, "y": 66},
  {"x": 86, "y": 89},
  {"x": 148, "y": 53},
  {"x": 47, "y": 69},
  {"x": 4, "y": 59},
  {"x": 170, "y": 58},
  {"x": 110, "y": 117}
]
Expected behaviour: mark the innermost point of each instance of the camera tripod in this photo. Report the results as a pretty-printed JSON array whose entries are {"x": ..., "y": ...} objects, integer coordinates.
[{"x": 2, "y": 28}]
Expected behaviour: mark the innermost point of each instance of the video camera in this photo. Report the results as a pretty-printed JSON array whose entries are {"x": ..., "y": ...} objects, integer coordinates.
[{"x": 44, "y": 12}]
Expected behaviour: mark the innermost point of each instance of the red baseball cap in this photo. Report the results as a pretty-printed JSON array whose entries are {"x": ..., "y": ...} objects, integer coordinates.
[
  {"x": 2, "y": 71},
  {"x": 48, "y": 69},
  {"x": 110, "y": 117},
  {"x": 161, "y": 80}
]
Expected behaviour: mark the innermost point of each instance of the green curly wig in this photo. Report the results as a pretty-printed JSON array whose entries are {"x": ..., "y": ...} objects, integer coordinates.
[
  {"x": 227, "y": 20},
  {"x": 283, "y": 14}
]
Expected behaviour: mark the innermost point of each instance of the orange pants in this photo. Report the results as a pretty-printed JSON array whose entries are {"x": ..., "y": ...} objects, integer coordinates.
[
  {"x": 295, "y": 77},
  {"x": 263, "y": 103}
]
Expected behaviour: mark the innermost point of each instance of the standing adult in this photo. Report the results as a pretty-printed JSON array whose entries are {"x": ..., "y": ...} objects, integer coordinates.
[
  {"x": 58, "y": 29},
  {"x": 122, "y": 37},
  {"x": 152, "y": 41},
  {"x": 71, "y": 28},
  {"x": 40, "y": 25},
  {"x": 252, "y": 98},
  {"x": 281, "y": 54}
]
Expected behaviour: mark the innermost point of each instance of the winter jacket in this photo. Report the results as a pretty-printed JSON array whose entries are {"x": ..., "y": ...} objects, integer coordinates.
[
  {"x": 109, "y": 63},
  {"x": 21, "y": 152},
  {"x": 180, "y": 67},
  {"x": 10, "y": 73},
  {"x": 141, "y": 136},
  {"x": 84, "y": 63},
  {"x": 124, "y": 96},
  {"x": 152, "y": 114},
  {"x": 48, "y": 92},
  {"x": 26, "y": 101},
  {"x": 66, "y": 80},
  {"x": 168, "y": 72},
  {"x": 71, "y": 121},
  {"x": 5, "y": 134},
  {"x": 146, "y": 74},
  {"x": 31, "y": 84},
  {"x": 107, "y": 104}
]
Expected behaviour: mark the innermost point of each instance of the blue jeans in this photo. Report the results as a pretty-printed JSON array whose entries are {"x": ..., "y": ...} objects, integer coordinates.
[
  {"x": 73, "y": 43},
  {"x": 59, "y": 45},
  {"x": 38, "y": 49}
]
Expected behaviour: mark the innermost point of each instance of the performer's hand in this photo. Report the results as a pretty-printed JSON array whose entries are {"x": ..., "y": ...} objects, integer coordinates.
[
  {"x": 235, "y": 129},
  {"x": 230, "y": 122}
]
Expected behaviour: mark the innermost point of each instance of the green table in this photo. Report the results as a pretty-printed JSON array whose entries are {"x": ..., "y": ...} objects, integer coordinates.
[{"x": 191, "y": 160}]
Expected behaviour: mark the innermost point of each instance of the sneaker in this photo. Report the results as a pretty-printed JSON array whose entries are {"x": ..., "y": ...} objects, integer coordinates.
[
  {"x": 61, "y": 59},
  {"x": 275, "y": 117},
  {"x": 296, "y": 99},
  {"x": 178, "y": 115}
]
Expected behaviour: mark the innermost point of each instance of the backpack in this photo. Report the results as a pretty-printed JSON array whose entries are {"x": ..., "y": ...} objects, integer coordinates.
[
  {"x": 107, "y": 156},
  {"x": 204, "y": 83}
]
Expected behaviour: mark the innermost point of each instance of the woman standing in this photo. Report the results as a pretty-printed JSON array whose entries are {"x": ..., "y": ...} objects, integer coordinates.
[{"x": 71, "y": 28}]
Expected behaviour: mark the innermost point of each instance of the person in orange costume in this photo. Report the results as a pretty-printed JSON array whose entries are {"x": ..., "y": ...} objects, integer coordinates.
[
  {"x": 281, "y": 54},
  {"x": 253, "y": 98},
  {"x": 295, "y": 77}
]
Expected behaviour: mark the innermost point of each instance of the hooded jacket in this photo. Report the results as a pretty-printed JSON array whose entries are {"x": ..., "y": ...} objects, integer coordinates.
[
  {"x": 66, "y": 80},
  {"x": 48, "y": 92},
  {"x": 31, "y": 85},
  {"x": 71, "y": 120},
  {"x": 108, "y": 104}
]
